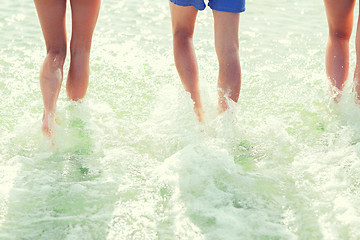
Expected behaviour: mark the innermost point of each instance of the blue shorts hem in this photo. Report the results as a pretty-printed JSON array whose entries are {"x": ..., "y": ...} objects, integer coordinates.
[
  {"x": 181, "y": 3},
  {"x": 228, "y": 9}
]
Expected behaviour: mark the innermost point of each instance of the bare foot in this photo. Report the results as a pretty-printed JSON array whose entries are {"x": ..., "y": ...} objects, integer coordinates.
[
  {"x": 48, "y": 124},
  {"x": 336, "y": 93},
  {"x": 222, "y": 105},
  {"x": 199, "y": 111},
  {"x": 356, "y": 90}
]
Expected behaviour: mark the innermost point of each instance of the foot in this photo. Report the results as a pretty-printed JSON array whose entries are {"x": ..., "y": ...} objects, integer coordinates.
[
  {"x": 199, "y": 111},
  {"x": 222, "y": 105},
  {"x": 356, "y": 90},
  {"x": 48, "y": 124},
  {"x": 336, "y": 94}
]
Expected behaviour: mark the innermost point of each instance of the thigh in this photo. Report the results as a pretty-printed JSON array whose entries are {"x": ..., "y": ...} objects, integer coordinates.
[
  {"x": 84, "y": 17},
  {"x": 183, "y": 18},
  {"x": 340, "y": 16},
  {"x": 226, "y": 25},
  {"x": 51, "y": 15}
]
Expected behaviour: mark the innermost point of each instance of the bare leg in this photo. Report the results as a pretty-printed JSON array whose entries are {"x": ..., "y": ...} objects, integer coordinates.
[
  {"x": 340, "y": 20},
  {"x": 84, "y": 17},
  {"x": 52, "y": 20},
  {"x": 357, "y": 68},
  {"x": 227, "y": 49},
  {"x": 183, "y": 24}
]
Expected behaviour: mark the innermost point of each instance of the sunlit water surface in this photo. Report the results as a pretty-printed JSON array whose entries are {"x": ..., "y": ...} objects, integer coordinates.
[{"x": 131, "y": 161}]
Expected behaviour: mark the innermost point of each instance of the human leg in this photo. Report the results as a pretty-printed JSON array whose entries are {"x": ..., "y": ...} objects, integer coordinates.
[
  {"x": 51, "y": 14},
  {"x": 357, "y": 68},
  {"x": 226, "y": 26},
  {"x": 183, "y": 24},
  {"x": 340, "y": 20},
  {"x": 84, "y": 18}
]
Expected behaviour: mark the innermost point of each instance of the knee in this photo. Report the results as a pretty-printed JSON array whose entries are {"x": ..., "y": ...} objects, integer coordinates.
[
  {"x": 80, "y": 49},
  {"x": 182, "y": 34},
  {"x": 56, "y": 56},
  {"x": 228, "y": 52},
  {"x": 339, "y": 34}
]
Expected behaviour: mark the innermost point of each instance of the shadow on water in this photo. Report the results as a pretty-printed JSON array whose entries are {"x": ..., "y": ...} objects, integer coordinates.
[{"x": 61, "y": 194}]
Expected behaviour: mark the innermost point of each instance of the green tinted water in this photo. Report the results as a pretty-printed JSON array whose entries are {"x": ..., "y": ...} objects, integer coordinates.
[{"x": 131, "y": 162}]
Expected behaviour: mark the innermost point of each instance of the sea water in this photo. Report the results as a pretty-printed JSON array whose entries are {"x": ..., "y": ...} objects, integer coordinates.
[{"x": 131, "y": 161}]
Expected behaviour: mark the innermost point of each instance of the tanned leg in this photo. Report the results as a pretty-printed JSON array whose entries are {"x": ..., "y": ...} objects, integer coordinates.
[
  {"x": 227, "y": 49},
  {"x": 357, "y": 68},
  {"x": 51, "y": 14},
  {"x": 340, "y": 21},
  {"x": 183, "y": 24},
  {"x": 84, "y": 17}
]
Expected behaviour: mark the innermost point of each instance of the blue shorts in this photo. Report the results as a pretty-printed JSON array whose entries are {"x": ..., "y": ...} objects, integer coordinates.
[{"x": 218, "y": 5}]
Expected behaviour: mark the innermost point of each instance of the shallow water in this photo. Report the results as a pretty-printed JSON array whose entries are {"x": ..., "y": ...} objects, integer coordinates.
[{"x": 131, "y": 161}]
